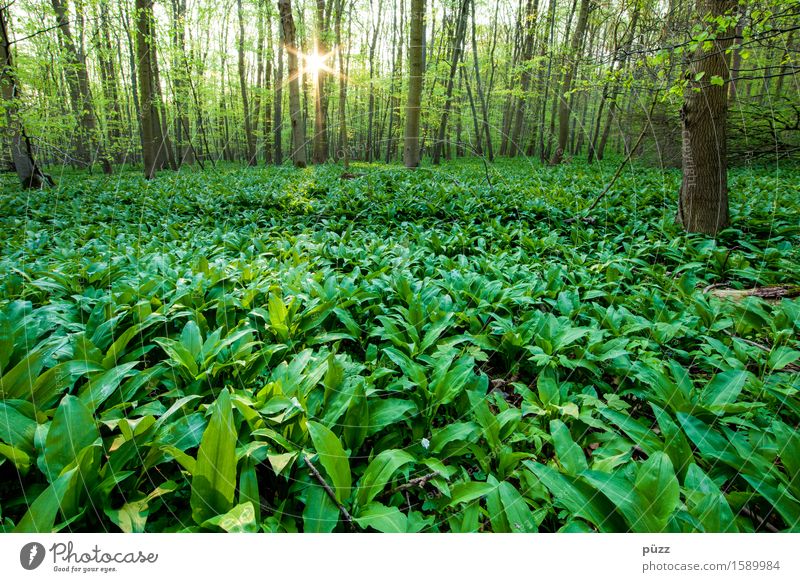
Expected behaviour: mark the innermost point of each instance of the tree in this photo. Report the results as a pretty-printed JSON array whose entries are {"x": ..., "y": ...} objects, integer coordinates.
[
  {"x": 248, "y": 128},
  {"x": 569, "y": 75},
  {"x": 86, "y": 140},
  {"x": 703, "y": 200},
  {"x": 411, "y": 151},
  {"x": 30, "y": 175},
  {"x": 458, "y": 43},
  {"x": 295, "y": 113},
  {"x": 153, "y": 142}
]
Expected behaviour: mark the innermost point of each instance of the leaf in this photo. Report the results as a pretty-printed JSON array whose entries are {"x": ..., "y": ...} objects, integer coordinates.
[
  {"x": 320, "y": 514},
  {"x": 520, "y": 517},
  {"x": 16, "y": 429},
  {"x": 73, "y": 428},
  {"x": 17, "y": 382},
  {"x": 781, "y": 357},
  {"x": 356, "y": 420},
  {"x": 240, "y": 519},
  {"x": 548, "y": 388},
  {"x": 99, "y": 388},
  {"x": 333, "y": 457},
  {"x": 469, "y": 491},
  {"x": 41, "y": 515},
  {"x": 382, "y": 518},
  {"x": 453, "y": 432},
  {"x": 657, "y": 484},
  {"x": 569, "y": 453},
  {"x": 379, "y": 472},
  {"x": 214, "y": 477},
  {"x": 724, "y": 389}
]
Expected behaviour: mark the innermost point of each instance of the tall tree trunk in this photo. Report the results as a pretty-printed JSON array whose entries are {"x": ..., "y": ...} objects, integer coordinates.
[
  {"x": 531, "y": 12},
  {"x": 320, "y": 150},
  {"x": 81, "y": 94},
  {"x": 411, "y": 151},
  {"x": 248, "y": 128},
  {"x": 487, "y": 134},
  {"x": 572, "y": 66},
  {"x": 370, "y": 148},
  {"x": 30, "y": 175},
  {"x": 344, "y": 148},
  {"x": 152, "y": 138},
  {"x": 295, "y": 113},
  {"x": 111, "y": 95},
  {"x": 180, "y": 76},
  {"x": 458, "y": 43},
  {"x": 278, "y": 117},
  {"x": 703, "y": 201}
]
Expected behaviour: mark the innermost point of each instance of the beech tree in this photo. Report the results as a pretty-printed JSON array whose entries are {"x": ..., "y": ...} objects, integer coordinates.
[
  {"x": 411, "y": 152},
  {"x": 295, "y": 113}
]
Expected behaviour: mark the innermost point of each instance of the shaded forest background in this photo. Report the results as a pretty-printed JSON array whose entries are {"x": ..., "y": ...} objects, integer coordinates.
[{"x": 494, "y": 75}]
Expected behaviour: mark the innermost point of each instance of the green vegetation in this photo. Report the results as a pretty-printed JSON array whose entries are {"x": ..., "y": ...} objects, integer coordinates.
[{"x": 296, "y": 350}]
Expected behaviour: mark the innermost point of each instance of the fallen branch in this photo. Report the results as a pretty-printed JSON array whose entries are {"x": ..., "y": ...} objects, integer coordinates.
[
  {"x": 416, "y": 482},
  {"x": 316, "y": 474},
  {"x": 773, "y": 293}
]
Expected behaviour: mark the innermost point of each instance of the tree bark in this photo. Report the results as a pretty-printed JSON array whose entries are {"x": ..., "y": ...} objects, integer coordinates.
[
  {"x": 87, "y": 141},
  {"x": 411, "y": 151},
  {"x": 703, "y": 200},
  {"x": 458, "y": 43},
  {"x": 29, "y": 173},
  {"x": 569, "y": 75},
  {"x": 152, "y": 139},
  {"x": 295, "y": 113},
  {"x": 248, "y": 127}
]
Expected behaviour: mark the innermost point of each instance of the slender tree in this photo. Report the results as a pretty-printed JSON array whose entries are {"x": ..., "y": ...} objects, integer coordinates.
[
  {"x": 295, "y": 113},
  {"x": 30, "y": 175},
  {"x": 411, "y": 151},
  {"x": 248, "y": 127}
]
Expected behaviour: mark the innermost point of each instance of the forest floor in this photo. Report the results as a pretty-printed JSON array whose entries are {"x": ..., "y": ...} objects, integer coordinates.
[{"x": 440, "y": 350}]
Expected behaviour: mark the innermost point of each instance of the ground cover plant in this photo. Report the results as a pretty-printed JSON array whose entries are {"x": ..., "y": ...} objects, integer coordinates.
[{"x": 289, "y": 350}]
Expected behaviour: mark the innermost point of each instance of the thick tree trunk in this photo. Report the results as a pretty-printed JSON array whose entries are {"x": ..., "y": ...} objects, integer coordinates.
[
  {"x": 529, "y": 25},
  {"x": 703, "y": 202},
  {"x": 248, "y": 128},
  {"x": 108, "y": 74},
  {"x": 411, "y": 151},
  {"x": 30, "y": 175},
  {"x": 295, "y": 113},
  {"x": 569, "y": 75},
  {"x": 152, "y": 139},
  {"x": 343, "y": 149}
]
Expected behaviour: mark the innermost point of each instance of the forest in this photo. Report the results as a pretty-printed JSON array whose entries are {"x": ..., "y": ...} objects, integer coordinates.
[{"x": 400, "y": 266}]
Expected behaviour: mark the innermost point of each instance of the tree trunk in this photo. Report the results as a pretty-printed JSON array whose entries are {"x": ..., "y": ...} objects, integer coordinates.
[
  {"x": 248, "y": 128},
  {"x": 572, "y": 67},
  {"x": 531, "y": 11},
  {"x": 295, "y": 114},
  {"x": 278, "y": 117},
  {"x": 152, "y": 139},
  {"x": 180, "y": 76},
  {"x": 703, "y": 202},
  {"x": 30, "y": 175},
  {"x": 320, "y": 150},
  {"x": 411, "y": 151},
  {"x": 487, "y": 134},
  {"x": 80, "y": 93},
  {"x": 458, "y": 43}
]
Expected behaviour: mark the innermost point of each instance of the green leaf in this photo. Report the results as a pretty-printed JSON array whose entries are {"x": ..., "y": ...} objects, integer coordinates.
[
  {"x": 382, "y": 518},
  {"x": 469, "y": 491},
  {"x": 724, "y": 389},
  {"x": 240, "y": 519},
  {"x": 659, "y": 488},
  {"x": 379, "y": 472},
  {"x": 781, "y": 357},
  {"x": 333, "y": 457},
  {"x": 569, "y": 453},
  {"x": 520, "y": 517},
  {"x": 73, "y": 428},
  {"x": 548, "y": 388},
  {"x": 320, "y": 514},
  {"x": 214, "y": 478},
  {"x": 41, "y": 515},
  {"x": 99, "y": 388}
]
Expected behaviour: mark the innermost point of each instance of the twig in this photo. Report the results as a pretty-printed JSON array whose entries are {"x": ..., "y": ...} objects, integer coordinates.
[
  {"x": 316, "y": 474},
  {"x": 416, "y": 482},
  {"x": 762, "y": 521}
]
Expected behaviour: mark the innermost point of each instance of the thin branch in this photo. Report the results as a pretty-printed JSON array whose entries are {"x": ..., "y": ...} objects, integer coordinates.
[{"x": 316, "y": 474}]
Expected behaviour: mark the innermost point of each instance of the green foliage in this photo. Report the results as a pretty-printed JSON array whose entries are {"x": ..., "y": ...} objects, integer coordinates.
[{"x": 450, "y": 356}]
